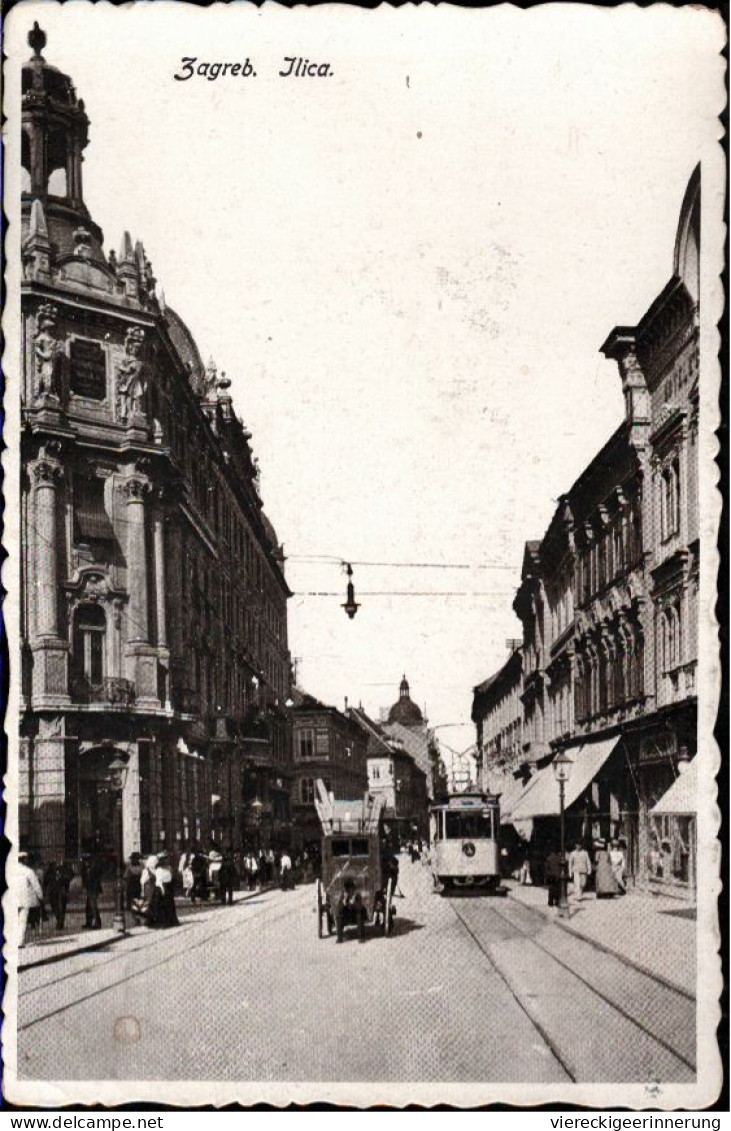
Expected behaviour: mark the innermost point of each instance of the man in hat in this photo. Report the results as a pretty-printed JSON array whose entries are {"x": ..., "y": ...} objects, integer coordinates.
[
  {"x": 91, "y": 878},
  {"x": 56, "y": 883},
  {"x": 30, "y": 893}
]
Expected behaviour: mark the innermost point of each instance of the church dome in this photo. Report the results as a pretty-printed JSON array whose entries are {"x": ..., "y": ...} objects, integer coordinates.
[{"x": 404, "y": 710}]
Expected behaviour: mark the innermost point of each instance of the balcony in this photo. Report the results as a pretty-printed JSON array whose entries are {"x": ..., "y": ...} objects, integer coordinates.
[
  {"x": 682, "y": 681},
  {"x": 113, "y": 691}
]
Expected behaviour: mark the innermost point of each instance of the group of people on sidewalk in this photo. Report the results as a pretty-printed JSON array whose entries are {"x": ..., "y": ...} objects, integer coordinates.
[
  {"x": 150, "y": 882},
  {"x": 608, "y": 868}
]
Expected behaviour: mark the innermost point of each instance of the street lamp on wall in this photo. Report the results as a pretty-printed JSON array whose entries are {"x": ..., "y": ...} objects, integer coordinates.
[
  {"x": 118, "y": 770},
  {"x": 562, "y": 766}
]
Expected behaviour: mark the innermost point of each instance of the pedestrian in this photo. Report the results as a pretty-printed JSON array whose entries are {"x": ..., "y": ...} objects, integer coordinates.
[
  {"x": 552, "y": 876},
  {"x": 618, "y": 861},
  {"x": 579, "y": 869},
  {"x": 251, "y": 870},
  {"x": 215, "y": 860},
  {"x": 56, "y": 884},
  {"x": 91, "y": 878},
  {"x": 165, "y": 914},
  {"x": 148, "y": 883},
  {"x": 271, "y": 866},
  {"x": 285, "y": 871},
  {"x": 30, "y": 894},
  {"x": 227, "y": 877},
  {"x": 133, "y": 880},
  {"x": 523, "y": 854},
  {"x": 199, "y": 868},
  {"x": 605, "y": 883}
]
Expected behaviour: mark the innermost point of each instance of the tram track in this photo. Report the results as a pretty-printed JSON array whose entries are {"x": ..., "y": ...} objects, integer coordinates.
[{"x": 526, "y": 999}]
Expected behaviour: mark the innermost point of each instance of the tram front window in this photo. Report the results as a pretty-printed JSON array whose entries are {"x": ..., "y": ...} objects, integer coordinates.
[{"x": 461, "y": 825}]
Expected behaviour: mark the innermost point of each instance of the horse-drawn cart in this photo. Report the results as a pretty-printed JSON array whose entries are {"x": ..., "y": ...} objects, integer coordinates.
[{"x": 359, "y": 871}]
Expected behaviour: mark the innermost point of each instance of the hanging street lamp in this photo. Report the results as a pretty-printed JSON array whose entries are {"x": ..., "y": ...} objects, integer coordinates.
[{"x": 351, "y": 606}]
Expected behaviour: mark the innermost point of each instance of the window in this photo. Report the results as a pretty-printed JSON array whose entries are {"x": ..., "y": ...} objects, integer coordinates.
[
  {"x": 670, "y": 500},
  {"x": 306, "y": 743},
  {"x": 461, "y": 825},
  {"x": 91, "y": 521},
  {"x": 88, "y": 363},
  {"x": 307, "y": 791},
  {"x": 88, "y": 648},
  {"x": 376, "y": 773}
]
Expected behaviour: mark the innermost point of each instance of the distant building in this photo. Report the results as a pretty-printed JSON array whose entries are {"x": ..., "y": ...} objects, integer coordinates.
[
  {"x": 608, "y": 602},
  {"x": 497, "y": 712},
  {"x": 330, "y": 745},
  {"x": 406, "y": 723},
  {"x": 393, "y": 773}
]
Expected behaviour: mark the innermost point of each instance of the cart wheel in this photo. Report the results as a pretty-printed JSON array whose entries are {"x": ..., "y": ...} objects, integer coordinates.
[
  {"x": 388, "y": 909},
  {"x": 320, "y": 910}
]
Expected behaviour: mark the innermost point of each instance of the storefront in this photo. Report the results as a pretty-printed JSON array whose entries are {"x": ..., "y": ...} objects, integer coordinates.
[{"x": 673, "y": 838}]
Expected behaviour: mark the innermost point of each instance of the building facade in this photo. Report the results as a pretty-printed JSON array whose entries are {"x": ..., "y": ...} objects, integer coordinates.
[
  {"x": 497, "y": 712},
  {"x": 154, "y": 602},
  {"x": 608, "y": 606},
  {"x": 394, "y": 775},
  {"x": 330, "y": 745}
]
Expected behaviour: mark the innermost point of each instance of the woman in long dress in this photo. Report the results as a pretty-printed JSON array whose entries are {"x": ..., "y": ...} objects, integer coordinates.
[
  {"x": 604, "y": 879},
  {"x": 165, "y": 913}
]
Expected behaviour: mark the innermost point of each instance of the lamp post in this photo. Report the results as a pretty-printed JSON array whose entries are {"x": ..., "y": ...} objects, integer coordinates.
[
  {"x": 118, "y": 770},
  {"x": 562, "y": 765}
]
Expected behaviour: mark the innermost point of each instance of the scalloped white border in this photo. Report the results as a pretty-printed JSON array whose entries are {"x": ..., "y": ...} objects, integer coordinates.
[{"x": 186, "y": 1094}]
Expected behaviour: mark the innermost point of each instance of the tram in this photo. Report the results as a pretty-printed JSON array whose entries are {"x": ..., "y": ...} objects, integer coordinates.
[{"x": 465, "y": 837}]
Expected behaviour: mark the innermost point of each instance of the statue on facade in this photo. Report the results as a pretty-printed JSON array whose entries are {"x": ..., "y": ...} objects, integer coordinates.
[
  {"x": 210, "y": 379},
  {"x": 132, "y": 385},
  {"x": 48, "y": 353}
]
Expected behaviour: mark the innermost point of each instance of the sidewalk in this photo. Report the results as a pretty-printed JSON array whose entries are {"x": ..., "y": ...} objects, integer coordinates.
[
  {"x": 653, "y": 933},
  {"x": 53, "y": 948}
]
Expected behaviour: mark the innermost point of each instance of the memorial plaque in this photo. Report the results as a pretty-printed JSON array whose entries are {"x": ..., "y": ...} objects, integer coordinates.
[{"x": 88, "y": 370}]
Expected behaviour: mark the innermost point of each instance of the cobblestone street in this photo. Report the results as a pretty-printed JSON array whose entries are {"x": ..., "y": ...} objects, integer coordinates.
[{"x": 466, "y": 989}]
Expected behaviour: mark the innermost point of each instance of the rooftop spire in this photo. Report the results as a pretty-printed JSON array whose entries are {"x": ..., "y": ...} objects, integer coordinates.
[{"x": 37, "y": 40}]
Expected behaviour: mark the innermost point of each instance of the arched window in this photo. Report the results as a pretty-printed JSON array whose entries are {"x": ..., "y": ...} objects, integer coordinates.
[{"x": 90, "y": 624}]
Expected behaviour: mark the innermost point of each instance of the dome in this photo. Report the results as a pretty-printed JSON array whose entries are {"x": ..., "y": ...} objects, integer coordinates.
[
  {"x": 404, "y": 710},
  {"x": 185, "y": 346}
]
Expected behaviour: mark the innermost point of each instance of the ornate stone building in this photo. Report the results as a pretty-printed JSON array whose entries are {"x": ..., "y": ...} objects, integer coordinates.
[
  {"x": 154, "y": 603},
  {"x": 608, "y": 604}
]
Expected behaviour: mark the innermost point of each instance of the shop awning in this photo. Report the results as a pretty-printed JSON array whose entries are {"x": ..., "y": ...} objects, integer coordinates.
[
  {"x": 514, "y": 796},
  {"x": 542, "y": 800},
  {"x": 681, "y": 799}
]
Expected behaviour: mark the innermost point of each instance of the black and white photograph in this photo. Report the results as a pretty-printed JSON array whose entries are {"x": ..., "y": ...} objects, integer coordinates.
[{"x": 361, "y": 382}]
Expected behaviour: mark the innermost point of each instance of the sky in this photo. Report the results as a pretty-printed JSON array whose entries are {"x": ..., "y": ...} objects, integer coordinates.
[{"x": 406, "y": 268}]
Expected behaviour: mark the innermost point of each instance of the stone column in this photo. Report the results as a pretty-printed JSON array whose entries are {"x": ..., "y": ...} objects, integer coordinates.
[
  {"x": 141, "y": 656},
  {"x": 160, "y": 573},
  {"x": 131, "y": 805},
  {"x": 48, "y": 776},
  {"x": 137, "y": 612},
  {"x": 50, "y": 652},
  {"x": 38, "y": 174},
  {"x": 47, "y": 474}
]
